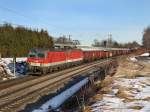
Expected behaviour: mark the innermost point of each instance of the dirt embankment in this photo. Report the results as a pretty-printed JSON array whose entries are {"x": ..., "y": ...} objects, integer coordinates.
[
  {"x": 130, "y": 69},
  {"x": 128, "y": 90}
]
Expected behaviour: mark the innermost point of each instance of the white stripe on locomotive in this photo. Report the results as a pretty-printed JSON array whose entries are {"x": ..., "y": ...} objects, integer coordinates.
[{"x": 54, "y": 63}]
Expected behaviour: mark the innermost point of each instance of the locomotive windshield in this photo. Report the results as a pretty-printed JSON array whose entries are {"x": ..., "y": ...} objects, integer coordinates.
[
  {"x": 41, "y": 55},
  {"x": 32, "y": 55},
  {"x": 36, "y": 55}
]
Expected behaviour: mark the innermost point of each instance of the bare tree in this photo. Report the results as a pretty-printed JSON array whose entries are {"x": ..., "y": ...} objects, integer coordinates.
[
  {"x": 96, "y": 43},
  {"x": 65, "y": 40},
  {"x": 146, "y": 38}
]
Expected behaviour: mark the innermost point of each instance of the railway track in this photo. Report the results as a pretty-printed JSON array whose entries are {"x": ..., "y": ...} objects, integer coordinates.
[
  {"x": 9, "y": 83},
  {"x": 17, "y": 93}
]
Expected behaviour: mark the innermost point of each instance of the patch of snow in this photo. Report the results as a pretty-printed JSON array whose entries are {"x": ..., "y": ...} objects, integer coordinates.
[
  {"x": 145, "y": 54},
  {"x": 8, "y": 65},
  {"x": 133, "y": 59},
  {"x": 115, "y": 91},
  {"x": 109, "y": 104},
  {"x": 56, "y": 101},
  {"x": 4, "y": 78},
  {"x": 144, "y": 93},
  {"x": 18, "y": 59},
  {"x": 146, "y": 107}
]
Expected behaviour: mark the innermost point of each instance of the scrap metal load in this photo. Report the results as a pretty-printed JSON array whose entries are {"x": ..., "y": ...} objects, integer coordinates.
[{"x": 46, "y": 61}]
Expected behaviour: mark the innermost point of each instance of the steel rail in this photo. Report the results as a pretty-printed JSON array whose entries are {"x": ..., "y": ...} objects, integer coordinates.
[{"x": 13, "y": 93}]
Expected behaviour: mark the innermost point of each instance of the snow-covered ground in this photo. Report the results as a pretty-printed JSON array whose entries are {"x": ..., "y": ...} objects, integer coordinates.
[
  {"x": 145, "y": 54},
  {"x": 137, "y": 90},
  {"x": 8, "y": 66},
  {"x": 133, "y": 59}
]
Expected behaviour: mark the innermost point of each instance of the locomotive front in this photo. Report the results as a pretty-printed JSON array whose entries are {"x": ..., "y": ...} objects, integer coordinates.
[
  {"x": 46, "y": 61},
  {"x": 36, "y": 60}
]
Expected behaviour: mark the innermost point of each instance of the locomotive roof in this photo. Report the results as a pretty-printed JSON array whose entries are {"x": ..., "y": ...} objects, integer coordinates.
[{"x": 46, "y": 50}]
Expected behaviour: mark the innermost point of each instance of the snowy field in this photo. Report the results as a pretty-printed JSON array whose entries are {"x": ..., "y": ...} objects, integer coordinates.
[{"x": 137, "y": 97}]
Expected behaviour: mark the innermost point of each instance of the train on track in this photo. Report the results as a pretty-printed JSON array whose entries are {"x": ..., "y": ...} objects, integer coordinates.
[{"x": 45, "y": 61}]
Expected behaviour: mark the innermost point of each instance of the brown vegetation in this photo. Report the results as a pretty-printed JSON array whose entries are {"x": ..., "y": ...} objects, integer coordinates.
[
  {"x": 136, "y": 107},
  {"x": 146, "y": 38},
  {"x": 129, "y": 69},
  {"x": 103, "y": 87},
  {"x": 108, "y": 80}
]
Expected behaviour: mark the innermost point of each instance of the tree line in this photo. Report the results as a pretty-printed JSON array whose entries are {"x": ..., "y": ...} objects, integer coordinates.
[
  {"x": 66, "y": 40},
  {"x": 17, "y": 41},
  {"x": 109, "y": 42}
]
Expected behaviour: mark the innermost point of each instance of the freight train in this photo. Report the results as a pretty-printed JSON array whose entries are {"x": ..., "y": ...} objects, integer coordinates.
[{"x": 45, "y": 61}]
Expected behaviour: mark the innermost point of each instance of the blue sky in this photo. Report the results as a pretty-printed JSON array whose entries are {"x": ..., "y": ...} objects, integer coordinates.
[{"x": 85, "y": 20}]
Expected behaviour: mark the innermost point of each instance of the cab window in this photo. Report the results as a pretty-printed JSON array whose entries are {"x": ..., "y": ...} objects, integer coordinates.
[
  {"x": 32, "y": 55},
  {"x": 41, "y": 55}
]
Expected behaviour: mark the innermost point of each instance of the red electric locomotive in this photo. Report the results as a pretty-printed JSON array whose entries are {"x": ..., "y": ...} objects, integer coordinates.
[{"x": 46, "y": 61}]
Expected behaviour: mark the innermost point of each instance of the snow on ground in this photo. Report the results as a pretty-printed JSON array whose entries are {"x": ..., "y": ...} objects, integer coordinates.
[
  {"x": 138, "y": 90},
  {"x": 133, "y": 59},
  {"x": 10, "y": 60},
  {"x": 140, "y": 86},
  {"x": 7, "y": 65},
  {"x": 145, "y": 54}
]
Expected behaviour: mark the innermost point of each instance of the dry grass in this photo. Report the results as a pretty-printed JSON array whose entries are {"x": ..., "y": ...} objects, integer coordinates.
[
  {"x": 129, "y": 69},
  {"x": 97, "y": 97},
  {"x": 146, "y": 99},
  {"x": 121, "y": 93},
  {"x": 104, "y": 85},
  {"x": 136, "y": 107},
  {"x": 132, "y": 75},
  {"x": 107, "y": 81},
  {"x": 106, "y": 90},
  {"x": 87, "y": 109}
]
